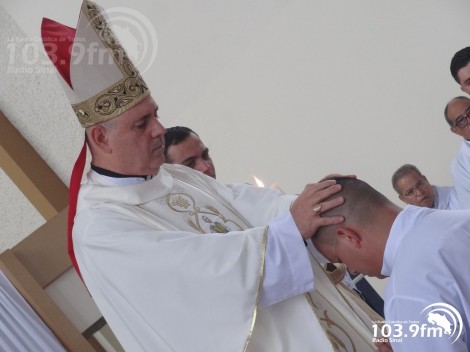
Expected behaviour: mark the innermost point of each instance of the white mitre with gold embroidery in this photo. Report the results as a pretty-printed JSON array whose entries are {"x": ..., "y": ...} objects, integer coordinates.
[
  {"x": 97, "y": 75},
  {"x": 98, "y": 78}
]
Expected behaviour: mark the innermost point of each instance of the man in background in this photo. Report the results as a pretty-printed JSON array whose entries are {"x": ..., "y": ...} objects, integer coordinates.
[
  {"x": 183, "y": 146},
  {"x": 414, "y": 188},
  {"x": 457, "y": 114},
  {"x": 460, "y": 69}
]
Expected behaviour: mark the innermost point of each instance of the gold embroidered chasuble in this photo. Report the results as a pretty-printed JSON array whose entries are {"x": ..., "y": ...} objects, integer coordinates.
[{"x": 176, "y": 263}]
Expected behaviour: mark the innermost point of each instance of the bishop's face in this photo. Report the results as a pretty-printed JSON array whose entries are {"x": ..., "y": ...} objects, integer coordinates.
[{"x": 136, "y": 140}]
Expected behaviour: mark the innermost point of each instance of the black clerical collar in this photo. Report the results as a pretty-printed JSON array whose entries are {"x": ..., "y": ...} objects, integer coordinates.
[{"x": 110, "y": 173}]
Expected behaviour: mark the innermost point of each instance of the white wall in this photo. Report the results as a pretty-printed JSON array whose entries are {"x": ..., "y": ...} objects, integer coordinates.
[{"x": 286, "y": 90}]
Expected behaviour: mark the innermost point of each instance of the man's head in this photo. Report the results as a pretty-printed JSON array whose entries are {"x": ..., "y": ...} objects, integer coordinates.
[
  {"x": 460, "y": 69},
  {"x": 413, "y": 187},
  {"x": 107, "y": 93},
  {"x": 457, "y": 115},
  {"x": 183, "y": 146},
  {"x": 359, "y": 242},
  {"x": 131, "y": 143}
]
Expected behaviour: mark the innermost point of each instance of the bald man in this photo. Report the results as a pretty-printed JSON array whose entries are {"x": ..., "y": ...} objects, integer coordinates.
[{"x": 457, "y": 114}]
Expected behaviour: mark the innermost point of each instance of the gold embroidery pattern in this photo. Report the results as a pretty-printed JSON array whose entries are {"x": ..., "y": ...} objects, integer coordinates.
[
  {"x": 337, "y": 343},
  {"x": 179, "y": 201},
  {"x": 184, "y": 203},
  {"x": 125, "y": 93},
  {"x": 260, "y": 284},
  {"x": 339, "y": 338}
]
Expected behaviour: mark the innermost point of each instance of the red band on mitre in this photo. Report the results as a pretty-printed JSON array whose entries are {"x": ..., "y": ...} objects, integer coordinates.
[
  {"x": 58, "y": 40},
  {"x": 75, "y": 181}
]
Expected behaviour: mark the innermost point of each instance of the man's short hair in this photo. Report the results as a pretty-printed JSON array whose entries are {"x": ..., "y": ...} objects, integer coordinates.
[
  {"x": 175, "y": 135},
  {"x": 362, "y": 204},
  {"x": 446, "y": 110},
  {"x": 402, "y": 171},
  {"x": 460, "y": 60}
]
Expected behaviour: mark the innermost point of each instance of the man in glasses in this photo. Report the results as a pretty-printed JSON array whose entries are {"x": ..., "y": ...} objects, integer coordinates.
[
  {"x": 414, "y": 188},
  {"x": 457, "y": 114}
]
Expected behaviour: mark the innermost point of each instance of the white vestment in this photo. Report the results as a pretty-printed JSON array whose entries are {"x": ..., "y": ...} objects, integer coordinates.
[
  {"x": 460, "y": 170},
  {"x": 177, "y": 263},
  {"x": 445, "y": 197},
  {"x": 426, "y": 259}
]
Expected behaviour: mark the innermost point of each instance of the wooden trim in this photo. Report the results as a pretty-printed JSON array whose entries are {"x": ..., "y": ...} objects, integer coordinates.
[
  {"x": 42, "y": 257},
  {"x": 44, "y": 253},
  {"x": 38, "y": 182},
  {"x": 38, "y": 299},
  {"x": 96, "y": 345}
]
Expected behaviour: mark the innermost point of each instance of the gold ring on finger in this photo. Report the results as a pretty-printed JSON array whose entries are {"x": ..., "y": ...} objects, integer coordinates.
[{"x": 317, "y": 208}]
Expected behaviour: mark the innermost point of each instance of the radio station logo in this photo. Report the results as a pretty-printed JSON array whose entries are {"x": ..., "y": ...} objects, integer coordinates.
[
  {"x": 446, "y": 317},
  {"x": 437, "y": 320}
]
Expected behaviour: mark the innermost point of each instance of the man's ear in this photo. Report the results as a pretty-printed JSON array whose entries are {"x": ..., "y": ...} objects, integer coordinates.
[
  {"x": 455, "y": 130},
  {"x": 98, "y": 136},
  {"x": 349, "y": 237}
]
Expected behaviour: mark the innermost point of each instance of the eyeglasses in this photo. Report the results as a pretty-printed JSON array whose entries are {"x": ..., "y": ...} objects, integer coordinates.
[
  {"x": 462, "y": 120},
  {"x": 420, "y": 185}
]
